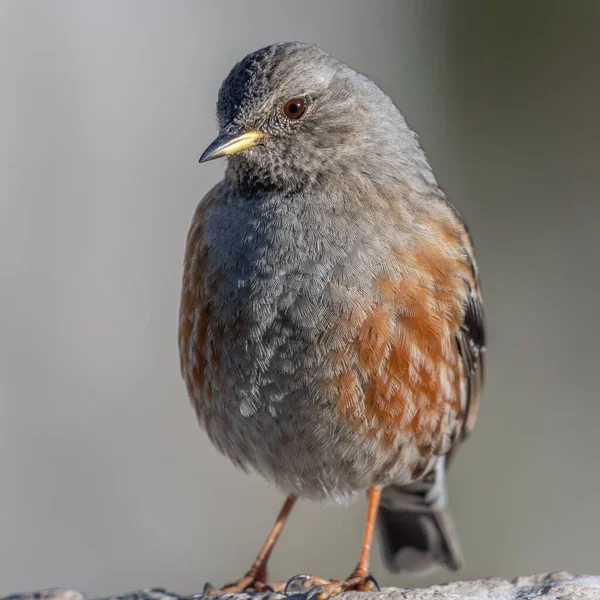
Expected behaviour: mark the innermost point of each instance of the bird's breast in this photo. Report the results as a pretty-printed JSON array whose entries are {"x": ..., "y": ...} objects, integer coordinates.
[
  {"x": 284, "y": 311},
  {"x": 257, "y": 291}
]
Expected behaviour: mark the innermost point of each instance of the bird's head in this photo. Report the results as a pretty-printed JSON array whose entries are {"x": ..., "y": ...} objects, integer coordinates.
[{"x": 290, "y": 113}]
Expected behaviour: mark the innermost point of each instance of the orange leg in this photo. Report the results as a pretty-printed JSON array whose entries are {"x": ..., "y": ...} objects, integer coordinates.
[
  {"x": 362, "y": 568},
  {"x": 256, "y": 576},
  {"x": 360, "y": 579}
]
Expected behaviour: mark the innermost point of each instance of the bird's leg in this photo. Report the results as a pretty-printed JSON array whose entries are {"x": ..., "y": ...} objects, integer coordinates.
[
  {"x": 360, "y": 579},
  {"x": 256, "y": 576}
]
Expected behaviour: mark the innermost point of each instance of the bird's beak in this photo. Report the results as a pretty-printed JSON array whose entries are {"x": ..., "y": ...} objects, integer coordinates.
[{"x": 232, "y": 139}]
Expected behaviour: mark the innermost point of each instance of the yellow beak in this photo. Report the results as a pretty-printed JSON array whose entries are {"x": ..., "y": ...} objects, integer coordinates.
[{"x": 232, "y": 139}]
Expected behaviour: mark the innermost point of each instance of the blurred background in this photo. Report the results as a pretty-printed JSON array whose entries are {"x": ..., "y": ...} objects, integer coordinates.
[{"x": 106, "y": 482}]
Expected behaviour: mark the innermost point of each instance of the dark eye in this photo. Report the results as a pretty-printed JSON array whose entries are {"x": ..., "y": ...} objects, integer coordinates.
[{"x": 293, "y": 109}]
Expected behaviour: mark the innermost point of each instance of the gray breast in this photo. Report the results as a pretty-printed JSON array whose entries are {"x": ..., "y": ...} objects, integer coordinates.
[
  {"x": 278, "y": 261},
  {"x": 290, "y": 269}
]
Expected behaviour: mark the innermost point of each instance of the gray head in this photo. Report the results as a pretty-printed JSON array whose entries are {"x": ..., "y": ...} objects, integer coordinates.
[{"x": 291, "y": 114}]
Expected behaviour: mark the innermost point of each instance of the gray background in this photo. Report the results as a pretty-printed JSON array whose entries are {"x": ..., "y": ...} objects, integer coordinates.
[{"x": 107, "y": 484}]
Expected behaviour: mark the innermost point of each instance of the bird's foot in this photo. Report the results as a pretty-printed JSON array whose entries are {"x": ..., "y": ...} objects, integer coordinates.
[
  {"x": 251, "y": 582},
  {"x": 322, "y": 589}
]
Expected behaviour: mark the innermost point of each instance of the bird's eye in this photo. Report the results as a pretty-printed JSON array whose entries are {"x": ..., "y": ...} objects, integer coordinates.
[{"x": 293, "y": 109}]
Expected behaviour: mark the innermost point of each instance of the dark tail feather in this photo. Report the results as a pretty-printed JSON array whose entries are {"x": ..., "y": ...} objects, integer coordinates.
[{"x": 416, "y": 530}]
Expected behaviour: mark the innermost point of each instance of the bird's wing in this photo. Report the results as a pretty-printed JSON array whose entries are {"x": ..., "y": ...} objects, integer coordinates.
[
  {"x": 196, "y": 324},
  {"x": 471, "y": 344}
]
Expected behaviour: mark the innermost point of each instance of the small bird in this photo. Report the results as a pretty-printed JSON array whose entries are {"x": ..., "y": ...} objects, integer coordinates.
[{"x": 331, "y": 329}]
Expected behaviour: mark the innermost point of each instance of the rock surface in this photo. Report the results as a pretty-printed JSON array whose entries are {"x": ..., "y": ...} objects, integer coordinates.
[{"x": 553, "y": 586}]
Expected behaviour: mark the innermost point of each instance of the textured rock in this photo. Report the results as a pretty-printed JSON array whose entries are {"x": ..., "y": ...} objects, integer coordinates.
[{"x": 555, "y": 586}]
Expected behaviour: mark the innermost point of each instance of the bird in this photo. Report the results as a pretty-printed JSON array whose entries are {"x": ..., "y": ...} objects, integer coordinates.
[{"x": 331, "y": 327}]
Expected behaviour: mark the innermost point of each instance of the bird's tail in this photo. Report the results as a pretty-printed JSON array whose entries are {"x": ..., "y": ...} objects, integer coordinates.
[{"x": 416, "y": 530}]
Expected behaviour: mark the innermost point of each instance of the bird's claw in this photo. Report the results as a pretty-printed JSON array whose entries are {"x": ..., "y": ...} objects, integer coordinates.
[
  {"x": 298, "y": 584},
  {"x": 372, "y": 580},
  {"x": 315, "y": 593}
]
